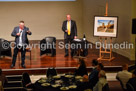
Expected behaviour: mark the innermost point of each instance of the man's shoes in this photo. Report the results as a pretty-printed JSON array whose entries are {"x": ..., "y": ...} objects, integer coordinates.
[
  {"x": 23, "y": 66},
  {"x": 66, "y": 55},
  {"x": 12, "y": 65}
]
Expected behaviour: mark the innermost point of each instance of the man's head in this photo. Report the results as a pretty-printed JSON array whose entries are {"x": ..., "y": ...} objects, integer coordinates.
[
  {"x": 82, "y": 62},
  {"x": 21, "y": 24},
  {"x": 100, "y": 67},
  {"x": 125, "y": 67},
  {"x": 94, "y": 62},
  {"x": 68, "y": 17},
  {"x": 102, "y": 73}
]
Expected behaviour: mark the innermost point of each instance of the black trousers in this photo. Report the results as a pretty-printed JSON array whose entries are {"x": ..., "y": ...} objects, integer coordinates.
[
  {"x": 68, "y": 42},
  {"x": 23, "y": 51}
]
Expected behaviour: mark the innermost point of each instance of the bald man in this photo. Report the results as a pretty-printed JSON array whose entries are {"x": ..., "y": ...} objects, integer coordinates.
[
  {"x": 70, "y": 32},
  {"x": 124, "y": 75},
  {"x": 21, "y": 41}
]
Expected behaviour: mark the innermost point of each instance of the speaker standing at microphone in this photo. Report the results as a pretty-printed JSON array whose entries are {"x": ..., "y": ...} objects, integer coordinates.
[{"x": 20, "y": 33}]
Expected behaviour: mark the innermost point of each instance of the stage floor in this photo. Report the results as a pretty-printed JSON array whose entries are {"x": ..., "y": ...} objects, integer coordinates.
[{"x": 59, "y": 61}]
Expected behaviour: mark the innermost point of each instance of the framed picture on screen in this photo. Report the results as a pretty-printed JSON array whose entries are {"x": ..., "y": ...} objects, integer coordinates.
[{"x": 105, "y": 26}]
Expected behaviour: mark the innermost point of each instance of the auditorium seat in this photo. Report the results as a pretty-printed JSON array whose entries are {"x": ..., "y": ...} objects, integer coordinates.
[
  {"x": 7, "y": 50},
  {"x": 48, "y": 46},
  {"x": 129, "y": 87},
  {"x": 106, "y": 88}
]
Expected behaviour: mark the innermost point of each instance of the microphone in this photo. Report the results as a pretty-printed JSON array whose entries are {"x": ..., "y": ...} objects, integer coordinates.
[
  {"x": 27, "y": 28},
  {"x": 20, "y": 31}
]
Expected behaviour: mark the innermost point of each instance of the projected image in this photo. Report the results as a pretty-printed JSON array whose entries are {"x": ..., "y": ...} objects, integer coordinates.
[
  {"x": 105, "y": 26},
  {"x": 31, "y": 0}
]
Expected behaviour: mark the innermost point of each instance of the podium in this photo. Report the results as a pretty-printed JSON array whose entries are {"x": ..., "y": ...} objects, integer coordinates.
[{"x": 79, "y": 48}]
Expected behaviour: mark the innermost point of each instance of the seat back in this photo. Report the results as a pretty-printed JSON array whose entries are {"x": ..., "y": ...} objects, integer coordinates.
[
  {"x": 48, "y": 45},
  {"x": 121, "y": 84},
  {"x": 50, "y": 39},
  {"x": 106, "y": 87},
  {"x": 51, "y": 72},
  {"x": 6, "y": 45},
  {"x": 129, "y": 87},
  {"x": 25, "y": 79}
]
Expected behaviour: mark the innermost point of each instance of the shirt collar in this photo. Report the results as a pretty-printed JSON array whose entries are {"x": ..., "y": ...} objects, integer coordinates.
[
  {"x": 125, "y": 70},
  {"x": 67, "y": 20}
]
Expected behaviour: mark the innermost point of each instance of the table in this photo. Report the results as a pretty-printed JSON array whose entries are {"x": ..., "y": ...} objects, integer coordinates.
[{"x": 61, "y": 81}]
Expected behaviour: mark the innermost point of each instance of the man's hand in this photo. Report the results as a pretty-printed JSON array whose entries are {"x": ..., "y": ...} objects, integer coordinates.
[
  {"x": 66, "y": 30},
  {"x": 28, "y": 84},
  {"x": 85, "y": 78},
  {"x": 28, "y": 31},
  {"x": 75, "y": 37},
  {"x": 18, "y": 34}
]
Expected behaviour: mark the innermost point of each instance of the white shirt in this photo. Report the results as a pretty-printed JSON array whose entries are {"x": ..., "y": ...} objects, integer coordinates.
[
  {"x": 70, "y": 25},
  {"x": 100, "y": 84},
  {"x": 20, "y": 37},
  {"x": 124, "y": 76}
]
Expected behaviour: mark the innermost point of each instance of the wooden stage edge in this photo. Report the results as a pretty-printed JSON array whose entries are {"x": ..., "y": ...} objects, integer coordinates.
[
  {"x": 37, "y": 71},
  {"x": 39, "y": 64}
]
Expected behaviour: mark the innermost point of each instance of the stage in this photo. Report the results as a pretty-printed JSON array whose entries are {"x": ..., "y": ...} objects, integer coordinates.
[{"x": 39, "y": 64}]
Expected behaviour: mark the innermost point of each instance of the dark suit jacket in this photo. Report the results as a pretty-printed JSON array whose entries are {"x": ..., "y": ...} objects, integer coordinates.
[
  {"x": 81, "y": 71},
  {"x": 24, "y": 35},
  {"x": 132, "y": 82},
  {"x": 93, "y": 77},
  {"x": 73, "y": 29}
]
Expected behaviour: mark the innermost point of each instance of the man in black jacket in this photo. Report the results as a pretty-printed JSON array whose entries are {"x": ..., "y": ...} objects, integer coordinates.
[
  {"x": 132, "y": 82},
  {"x": 21, "y": 41},
  {"x": 70, "y": 32},
  {"x": 93, "y": 76}
]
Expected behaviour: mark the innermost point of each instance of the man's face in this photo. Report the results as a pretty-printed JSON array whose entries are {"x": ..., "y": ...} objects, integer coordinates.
[
  {"x": 127, "y": 66},
  {"x": 68, "y": 17},
  {"x": 99, "y": 75},
  {"x": 21, "y": 25},
  {"x": 98, "y": 68}
]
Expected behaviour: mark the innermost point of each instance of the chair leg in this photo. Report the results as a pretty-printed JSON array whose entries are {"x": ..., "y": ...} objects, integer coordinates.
[
  {"x": 52, "y": 53},
  {"x": 19, "y": 58},
  {"x": 30, "y": 55}
]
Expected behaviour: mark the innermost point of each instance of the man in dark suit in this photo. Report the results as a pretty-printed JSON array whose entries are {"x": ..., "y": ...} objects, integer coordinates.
[
  {"x": 132, "y": 82},
  {"x": 21, "y": 41},
  {"x": 70, "y": 32},
  {"x": 93, "y": 76}
]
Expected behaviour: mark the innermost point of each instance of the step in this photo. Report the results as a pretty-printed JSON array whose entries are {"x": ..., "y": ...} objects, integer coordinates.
[
  {"x": 14, "y": 89},
  {"x": 14, "y": 81},
  {"x": 14, "y": 77},
  {"x": 14, "y": 84}
]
